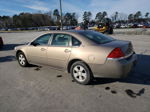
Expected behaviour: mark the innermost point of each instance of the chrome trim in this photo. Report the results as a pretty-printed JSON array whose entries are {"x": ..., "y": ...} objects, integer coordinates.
[{"x": 121, "y": 57}]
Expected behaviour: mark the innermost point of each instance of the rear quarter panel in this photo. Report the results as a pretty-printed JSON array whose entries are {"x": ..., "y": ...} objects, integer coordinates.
[{"x": 90, "y": 54}]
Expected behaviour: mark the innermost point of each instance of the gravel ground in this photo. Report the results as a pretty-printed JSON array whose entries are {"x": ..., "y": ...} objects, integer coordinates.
[{"x": 41, "y": 89}]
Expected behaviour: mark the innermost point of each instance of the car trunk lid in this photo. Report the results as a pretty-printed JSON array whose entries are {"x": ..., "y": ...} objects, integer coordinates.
[{"x": 125, "y": 46}]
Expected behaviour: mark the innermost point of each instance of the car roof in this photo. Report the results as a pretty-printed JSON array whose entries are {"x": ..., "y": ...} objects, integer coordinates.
[
  {"x": 75, "y": 33},
  {"x": 69, "y": 31}
]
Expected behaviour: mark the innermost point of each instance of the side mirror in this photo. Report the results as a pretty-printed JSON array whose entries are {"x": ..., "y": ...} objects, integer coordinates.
[{"x": 34, "y": 43}]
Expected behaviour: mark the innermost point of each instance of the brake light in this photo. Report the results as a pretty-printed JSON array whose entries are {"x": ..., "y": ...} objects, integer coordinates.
[{"x": 116, "y": 53}]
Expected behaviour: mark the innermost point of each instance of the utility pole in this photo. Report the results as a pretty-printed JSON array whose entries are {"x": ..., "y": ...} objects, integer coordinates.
[{"x": 61, "y": 15}]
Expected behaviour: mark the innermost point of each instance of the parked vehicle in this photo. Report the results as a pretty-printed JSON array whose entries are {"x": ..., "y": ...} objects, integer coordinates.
[
  {"x": 83, "y": 53},
  {"x": 146, "y": 25},
  {"x": 106, "y": 27},
  {"x": 69, "y": 27},
  {"x": 1, "y": 42},
  {"x": 100, "y": 28},
  {"x": 117, "y": 25},
  {"x": 140, "y": 25},
  {"x": 54, "y": 28}
]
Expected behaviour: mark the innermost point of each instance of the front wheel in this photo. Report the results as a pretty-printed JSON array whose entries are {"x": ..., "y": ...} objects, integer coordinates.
[
  {"x": 22, "y": 59},
  {"x": 81, "y": 73}
]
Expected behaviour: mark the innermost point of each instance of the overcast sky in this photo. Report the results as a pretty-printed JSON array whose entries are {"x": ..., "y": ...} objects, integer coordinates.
[{"x": 11, "y": 7}]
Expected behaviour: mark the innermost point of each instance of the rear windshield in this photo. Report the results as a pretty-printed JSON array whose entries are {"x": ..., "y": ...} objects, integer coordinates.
[{"x": 96, "y": 37}]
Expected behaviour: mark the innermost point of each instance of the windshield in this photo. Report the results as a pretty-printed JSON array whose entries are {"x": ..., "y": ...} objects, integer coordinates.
[{"x": 96, "y": 37}]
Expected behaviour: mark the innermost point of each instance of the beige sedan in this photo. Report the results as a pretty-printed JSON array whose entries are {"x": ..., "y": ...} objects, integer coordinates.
[{"x": 84, "y": 54}]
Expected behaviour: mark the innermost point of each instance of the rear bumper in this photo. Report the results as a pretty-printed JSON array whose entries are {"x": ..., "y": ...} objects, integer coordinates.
[{"x": 114, "y": 68}]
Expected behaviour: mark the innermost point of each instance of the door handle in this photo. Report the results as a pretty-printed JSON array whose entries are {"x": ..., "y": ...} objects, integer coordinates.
[
  {"x": 67, "y": 50},
  {"x": 43, "y": 49}
]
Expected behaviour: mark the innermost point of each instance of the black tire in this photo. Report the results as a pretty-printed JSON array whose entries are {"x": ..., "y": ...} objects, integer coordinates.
[
  {"x": 1, "y": 46},
  {"x": 111, "y": 31},
  {"x": 24, "y": 62},
  {"x": 85, "y": 70}
]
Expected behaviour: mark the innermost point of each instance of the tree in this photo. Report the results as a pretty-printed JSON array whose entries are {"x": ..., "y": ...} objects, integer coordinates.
[
  {"x": 16, "y": 21},
  {"x": 116, "y": 16},
  {"x": 67, "y": 19},
  {"x": 87, "y": 16},
  {"x": 138, "y": 15},
  {"x": 5, "y": 22},
  {"x": 70, "y": 19},
  {"x": 74, "y": 20},
  {"x": 146, "y": 15},
  {"x": 104, "y": 14},
  {"x": 101, "y": 17},
  {"x": 130, "y": 17},
  {"x": 26, "y": 19},
  {"x": 56, "y": 14},
  {"x": 122, "y": 17}
]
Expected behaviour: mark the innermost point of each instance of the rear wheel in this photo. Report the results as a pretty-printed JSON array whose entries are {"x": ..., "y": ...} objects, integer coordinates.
[
  {"x": 81, "y": 73},
  {"x": 22, "y": 59},
  {"x": 110, "y": 31}
]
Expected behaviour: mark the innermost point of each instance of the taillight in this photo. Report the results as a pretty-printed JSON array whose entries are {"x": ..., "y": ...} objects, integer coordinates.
[{"x": 116, "y": 53}]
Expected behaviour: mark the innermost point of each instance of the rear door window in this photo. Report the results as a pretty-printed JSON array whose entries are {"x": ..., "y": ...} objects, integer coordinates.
[
  {"x": 61, "y": 40},
  {"x": 75, "y": 42}
]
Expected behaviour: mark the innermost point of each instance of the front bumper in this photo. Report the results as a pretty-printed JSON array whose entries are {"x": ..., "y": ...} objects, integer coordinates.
[{"x": 114, "y": 68}]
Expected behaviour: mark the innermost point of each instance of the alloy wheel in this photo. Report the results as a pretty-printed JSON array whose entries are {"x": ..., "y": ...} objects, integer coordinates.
[
  {"x": 22, "y": 59},
  {"x": 79, "y": 73}
]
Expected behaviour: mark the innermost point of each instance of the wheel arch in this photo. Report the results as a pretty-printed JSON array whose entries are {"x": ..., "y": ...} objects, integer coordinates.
[
  {"x": 18, "y": 51},
  {"x": 75, "y": 60}
]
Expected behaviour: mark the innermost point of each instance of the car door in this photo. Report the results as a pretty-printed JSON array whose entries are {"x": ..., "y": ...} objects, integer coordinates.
[
  {"x": 37, "y": 50},
  {"x": 59, "y": 51}
]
